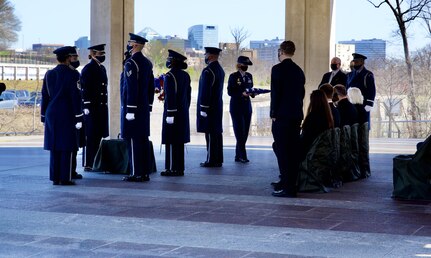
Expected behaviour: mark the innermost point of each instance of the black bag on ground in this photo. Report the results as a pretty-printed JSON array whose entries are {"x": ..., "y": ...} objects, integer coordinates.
[{"x": 412, "y": 174}]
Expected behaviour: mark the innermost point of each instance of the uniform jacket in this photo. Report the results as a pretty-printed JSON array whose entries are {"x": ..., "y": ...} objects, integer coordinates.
[
  {"x": 177, "y": 103},
  {"x": 137, "y": 96},
  {"x": 287, "y": 91},
  {"x": 210, "y": 99},
  {"x": 61, "y": 108},
  {"x": 339, "y": 78},
  {"x": 364, "y": 80},
  {"x": 348, "y": 113},
  {"x": 94, "y": 85},
  {"x": 237, "y": 84}
]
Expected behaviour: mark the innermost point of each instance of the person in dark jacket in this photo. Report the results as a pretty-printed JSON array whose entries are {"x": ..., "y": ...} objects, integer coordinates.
[
  {"x": 61, "y": 113},
  {"x": 137, "y": 96},
  {"x": 176, "y": 122},
  {"x": 347, "y": 111},
  {"x": 328, "y": 90},
  {"x": 94, "y": 85},
  {"x": 210, "y": 107},
  {"x": 287, "y": 95},
  {"x": 336, "y": 76},
  {"x": 238, "y": 87},
  {"x": 318, "y": 119}
]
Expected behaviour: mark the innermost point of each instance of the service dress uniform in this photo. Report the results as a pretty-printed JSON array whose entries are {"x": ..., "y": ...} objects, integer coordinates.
[
  {"x": 94, "y": 85},
  {"x": 60, "y": 112},
  {"x": 176, "y": 108},
  {"x": 137, "y": 96},
  {"x": 210, "y": 102},
  {"x": 240, "y": 109},
  {"x": 363, "y": 79}
]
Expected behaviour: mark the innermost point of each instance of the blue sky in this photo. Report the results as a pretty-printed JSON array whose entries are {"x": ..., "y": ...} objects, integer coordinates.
[{"x": 53, "y": 21}]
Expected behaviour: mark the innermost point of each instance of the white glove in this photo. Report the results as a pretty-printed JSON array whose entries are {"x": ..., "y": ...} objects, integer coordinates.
[
  {"x": 204, "y": 114},
  {"x": 170, "y": 120},
  {"x": 78, "y": 125},
  {"x": 130, "y": 116},
  {"x": 86, "y": 111},
  {"x": 368, "y": 108}
]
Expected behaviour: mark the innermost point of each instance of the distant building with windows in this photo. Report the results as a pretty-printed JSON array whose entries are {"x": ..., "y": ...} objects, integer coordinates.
[
  {"x": 149, "y": 34},
  {"x": 373, "y": 49},
  {"x": 45, "y": 48},
  {"x": 266, "y": 49},
  {"x": 202, "y": 35},
  {"x": 344, "y": 52},
  {"x": 173, "y": 42},
  {"x": 82, "y": 43}
]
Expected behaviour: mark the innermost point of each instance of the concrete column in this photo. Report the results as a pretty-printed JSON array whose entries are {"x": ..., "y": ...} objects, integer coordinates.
[
  {"x": 111, "y": 22},
  {"x": 308, "y": 25}
]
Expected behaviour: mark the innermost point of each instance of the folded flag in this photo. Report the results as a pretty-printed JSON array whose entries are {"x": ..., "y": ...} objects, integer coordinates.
[{"x": 257, "y": 91}]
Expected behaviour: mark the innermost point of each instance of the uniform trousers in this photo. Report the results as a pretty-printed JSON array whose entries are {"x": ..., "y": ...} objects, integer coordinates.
[
  {"x": 91, "y": 148},
  {"x": 139, "y": 155},
  {"x": 60, "y": 166},
  {"x": 174, "y": 157},
  {"x": 286, "y": 142},
  {"x": 241, "y": 127},
  {"x": 214, "y": 142}
]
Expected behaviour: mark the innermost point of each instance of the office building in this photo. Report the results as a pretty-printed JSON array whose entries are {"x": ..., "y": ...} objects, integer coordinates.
[
  {"x": 201, "y": 36},
  {"x": 266, "y": 49},
  {"x": 82, "y": 43},
  {"x": 344, "y": 52},
  {"x": 373, "y": 49}
]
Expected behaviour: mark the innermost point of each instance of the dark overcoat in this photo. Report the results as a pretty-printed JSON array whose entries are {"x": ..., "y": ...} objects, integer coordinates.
[
  {"x": 210, "y": 99},
  {"x": 137, "y": 96},
  {"x": 177, "y": 103}
]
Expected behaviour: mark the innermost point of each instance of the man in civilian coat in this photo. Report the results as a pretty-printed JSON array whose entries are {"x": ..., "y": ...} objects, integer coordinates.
[
  {"x": 336, "y": 76},
  {"x": 287, "y": 96},
  {"x": 137, "y": 96},
  {"x": 210, "y": 107},
  {"x": 176, "y": 122},
  {"x": 94, "y": 86},
  {"x": 61, "y": 113}
]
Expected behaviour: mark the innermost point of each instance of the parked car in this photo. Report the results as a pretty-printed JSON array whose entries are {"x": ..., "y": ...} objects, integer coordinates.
[
  {"x": 22, "y": 95},
  {"x": 8, "y": 100},
  {"x": 31, "y": 101}
]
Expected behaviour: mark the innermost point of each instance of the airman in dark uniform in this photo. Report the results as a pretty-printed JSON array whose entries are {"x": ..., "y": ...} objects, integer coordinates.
[
  {"x": 61, "y": 112},
  {"x": 238, "y": 87},
  {"x": 137, "y": 96},
  {"x": 210, "y": 107},
  {"x": 94, "y": 85},
  {"x": 176, "y": 122},
  {"x": 363, "y": 79}
]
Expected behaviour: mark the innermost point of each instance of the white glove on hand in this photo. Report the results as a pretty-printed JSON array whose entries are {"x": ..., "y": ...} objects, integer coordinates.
[
  {"x": 368, "y": 108},
  {"x": 170, "y": 120},
  {"x": 204, "y": 114},
  {"x": 78, "y": 125},
  {"x": 86, "y": 111},
  {"x": 130, "y": 116}
]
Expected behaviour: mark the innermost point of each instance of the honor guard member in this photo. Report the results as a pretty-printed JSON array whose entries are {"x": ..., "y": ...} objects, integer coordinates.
[
  {"x": 176, "y": 122},
  {"x": 239, "y": 84},
  {"x": 137, "y": 95},
  {"x": 61, "y": 114},
  {"x": 94, "y": 85},
  {"x": 336, "y": 76},
  {"x": 287, "y": 96},
  {"x": 363, "y": 79},
  {"x": 210, "y": 107},
  {"x": 74, "y": 64}
]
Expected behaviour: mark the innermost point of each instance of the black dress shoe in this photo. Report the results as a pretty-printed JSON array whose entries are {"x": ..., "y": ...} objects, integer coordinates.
[
  {"x": 277, "y": 187},
  {"x": 55, "y": 182},
  {"x": 284, "y": 193},
  {"x": 167, "y": 172},
  {"x": 241, "y": 160},
  {"x": 177, "y": 173},
  {"x": 210, "y": 165},
  {"x": 275, "y": 183},
  {"x": 144, "y": 178},
  {"x": 88, "y": 169},
  {"x": 67, "y": 183},
  {"x": 75, "y": 175}
]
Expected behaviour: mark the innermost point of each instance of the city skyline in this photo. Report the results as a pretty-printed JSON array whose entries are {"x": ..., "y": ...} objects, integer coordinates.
[{"x": 55, "y": 28}]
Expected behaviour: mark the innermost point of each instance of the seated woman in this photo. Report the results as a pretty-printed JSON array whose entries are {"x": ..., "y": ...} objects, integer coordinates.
[
  {"x": 347, "y": 111},
  {"x": 318, "y": 119}
]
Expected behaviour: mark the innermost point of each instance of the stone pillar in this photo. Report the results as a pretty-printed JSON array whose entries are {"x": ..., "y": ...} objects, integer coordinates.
[
  {"x": 309, "y": 26},
  {"x": 111, "y": 22}
]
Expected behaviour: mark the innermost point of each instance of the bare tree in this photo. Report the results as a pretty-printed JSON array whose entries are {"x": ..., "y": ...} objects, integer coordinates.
[
  {"x": 9, "y": 24},
  {"x": 405, "y": 12},
  {"x": 239, "y": 35}
]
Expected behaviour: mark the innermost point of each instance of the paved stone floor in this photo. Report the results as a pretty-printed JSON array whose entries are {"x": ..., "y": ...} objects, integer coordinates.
[{"x": 218, "y": 212}]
